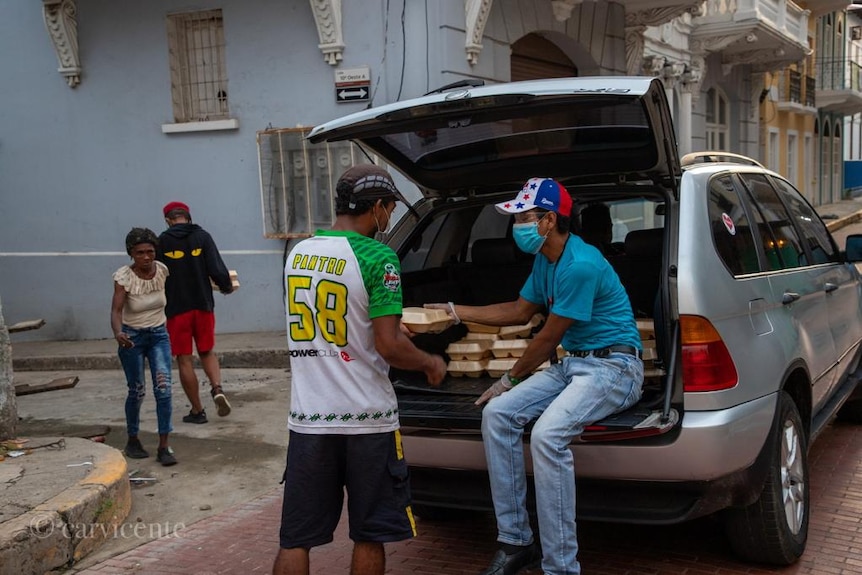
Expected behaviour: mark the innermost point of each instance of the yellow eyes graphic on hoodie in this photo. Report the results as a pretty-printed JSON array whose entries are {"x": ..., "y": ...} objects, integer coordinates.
[{"x": 178, "y": 254}]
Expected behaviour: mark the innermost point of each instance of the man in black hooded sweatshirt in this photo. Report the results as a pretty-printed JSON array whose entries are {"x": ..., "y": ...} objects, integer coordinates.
[{"x": 193, "y": 260}]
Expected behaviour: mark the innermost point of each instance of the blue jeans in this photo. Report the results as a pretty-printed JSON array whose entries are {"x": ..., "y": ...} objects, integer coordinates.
[
  {"x": 562, "y": 399},
  {"x": 153, "y": 344}
]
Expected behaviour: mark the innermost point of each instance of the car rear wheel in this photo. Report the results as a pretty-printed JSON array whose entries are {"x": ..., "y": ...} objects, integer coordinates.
[{"x": 774, "y": 528}]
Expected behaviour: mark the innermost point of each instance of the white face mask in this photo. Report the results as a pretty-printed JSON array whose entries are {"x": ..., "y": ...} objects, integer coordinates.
[{"x": 382, "y": 234}]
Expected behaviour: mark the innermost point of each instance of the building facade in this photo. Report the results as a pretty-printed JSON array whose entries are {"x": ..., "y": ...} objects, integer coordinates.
[
  {"x": 850, "y": 103},
  {"x": 112, "y": 109}
]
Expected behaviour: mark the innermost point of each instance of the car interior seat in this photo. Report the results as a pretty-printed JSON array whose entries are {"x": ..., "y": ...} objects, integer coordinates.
[
  {"x": 640, "y": 269},
  {"x": 498, "y": 271}
]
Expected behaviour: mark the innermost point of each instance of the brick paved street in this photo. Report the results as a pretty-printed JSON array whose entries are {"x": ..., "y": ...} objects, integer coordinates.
[{"x": 244, "y": 539}]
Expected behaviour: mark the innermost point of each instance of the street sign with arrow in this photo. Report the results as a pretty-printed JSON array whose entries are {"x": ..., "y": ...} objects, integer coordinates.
[
  {"x": 345, "y": 94},
  {"x": 353, "y": 84}
]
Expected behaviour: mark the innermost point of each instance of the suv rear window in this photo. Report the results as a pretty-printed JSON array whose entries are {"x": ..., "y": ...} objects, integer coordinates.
[
  {"x": 592, "y": 125},
  {"x": 731, "y": 229}
]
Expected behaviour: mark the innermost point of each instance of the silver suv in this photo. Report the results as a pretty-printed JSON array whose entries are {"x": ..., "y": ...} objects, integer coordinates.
[{"x": 756, "y": 313}]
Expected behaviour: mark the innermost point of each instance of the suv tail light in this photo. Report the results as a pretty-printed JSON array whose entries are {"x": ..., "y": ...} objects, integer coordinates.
[{"x": 706, "y": 363}]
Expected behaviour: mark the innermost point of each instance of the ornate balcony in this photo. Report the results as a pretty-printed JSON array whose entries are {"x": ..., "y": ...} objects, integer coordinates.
[
  {"x": 643, "y": 13},
  {"x": 795, "y": 92},
  {"x": 673, "y": 8},
  {"x": 839, "y": 86},
  {"x": 810, "y": 91},
  {"x": 768, "y": 34}
]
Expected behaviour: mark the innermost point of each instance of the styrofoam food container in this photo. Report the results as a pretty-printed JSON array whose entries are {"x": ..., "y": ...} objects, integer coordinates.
[
  {"x": 466, "y": 368},
  {"x": 422, "y": 320},
  {"x": 469, "y": 349}
]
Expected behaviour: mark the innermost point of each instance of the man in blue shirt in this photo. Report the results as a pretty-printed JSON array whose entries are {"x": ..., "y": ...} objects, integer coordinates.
[{"x": 589, "y": 313}]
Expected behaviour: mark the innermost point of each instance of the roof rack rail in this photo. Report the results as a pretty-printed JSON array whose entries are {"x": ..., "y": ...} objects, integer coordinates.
[{"x": 717, "y": 156}]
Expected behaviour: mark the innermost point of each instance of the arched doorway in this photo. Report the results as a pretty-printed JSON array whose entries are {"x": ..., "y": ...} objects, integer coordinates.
[
  {"x": 717, "y": 120},
  {"x": 536, "y": 57}
]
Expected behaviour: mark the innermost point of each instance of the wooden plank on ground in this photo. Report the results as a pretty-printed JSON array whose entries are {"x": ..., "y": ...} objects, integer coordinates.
[
  {"x": 95, "y": 432},
  {"x": 26, "y": 325},
  {"x": 59, "y": 383}
]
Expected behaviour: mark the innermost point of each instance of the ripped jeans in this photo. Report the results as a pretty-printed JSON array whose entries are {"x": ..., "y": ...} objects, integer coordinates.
[{"x": 153, "y": 344}]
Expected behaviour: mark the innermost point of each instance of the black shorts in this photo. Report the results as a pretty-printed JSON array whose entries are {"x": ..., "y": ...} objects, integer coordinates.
[{"x": 373, "y": 470}]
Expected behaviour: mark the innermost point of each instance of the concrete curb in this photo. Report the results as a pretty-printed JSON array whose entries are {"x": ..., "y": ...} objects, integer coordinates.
[
  {"x": 70, "y": 525},
  {"x": 63, "y": 362},
  {"x": 834, "y": 225},
  {"x": 246, "y": 358}
]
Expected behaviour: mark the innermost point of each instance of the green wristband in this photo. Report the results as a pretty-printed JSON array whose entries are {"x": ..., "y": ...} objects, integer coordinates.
[{"x": 512, "y": 379}]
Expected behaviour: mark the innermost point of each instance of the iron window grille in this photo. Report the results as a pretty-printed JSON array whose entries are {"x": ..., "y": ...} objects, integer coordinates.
[
  {"x": 199, "y": 86},
  {"x": 297, "y": 180}
]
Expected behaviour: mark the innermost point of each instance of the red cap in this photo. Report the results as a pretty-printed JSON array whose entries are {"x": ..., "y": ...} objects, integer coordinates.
[{"x": 171, "y": 206}]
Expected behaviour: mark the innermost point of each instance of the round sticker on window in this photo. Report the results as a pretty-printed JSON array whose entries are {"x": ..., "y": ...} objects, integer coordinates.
[{"x": 728, "y": 223}]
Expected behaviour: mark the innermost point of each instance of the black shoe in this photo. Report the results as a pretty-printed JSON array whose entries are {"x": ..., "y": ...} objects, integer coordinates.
[
  {"x": 134, "y": 449},
  {"x": 192, "y": 417},
  {"x": 220, "y": 400},
  {"x": 503, "y": 564},
  {"x": 165, "y": 456}
]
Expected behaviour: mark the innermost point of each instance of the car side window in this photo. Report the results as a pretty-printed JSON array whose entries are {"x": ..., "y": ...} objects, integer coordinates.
[
  {"x": 415, "y": 258},
  {"x": 781, "y": 243},
  {"x": 489, "y": 224},
  {"x": 731, "y": 229},
  {"x": 447, "y": 236},
  {"x": 813, "y": 230}
]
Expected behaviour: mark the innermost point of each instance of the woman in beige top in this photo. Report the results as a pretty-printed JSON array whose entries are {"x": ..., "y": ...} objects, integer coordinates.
[{"x": 138, "y": 321}]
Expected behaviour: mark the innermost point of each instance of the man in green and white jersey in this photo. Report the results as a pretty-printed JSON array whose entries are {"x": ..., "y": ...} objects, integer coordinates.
[{"x": 343, "y": 302}]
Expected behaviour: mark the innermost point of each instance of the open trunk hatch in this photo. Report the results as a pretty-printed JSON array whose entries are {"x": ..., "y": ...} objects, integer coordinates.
[{"x": 484, "y": 139}]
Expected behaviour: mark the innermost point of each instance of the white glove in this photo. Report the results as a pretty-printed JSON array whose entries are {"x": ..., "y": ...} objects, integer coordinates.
[
  {"x": 448, "y": 307},
  {"x": 500, "y": 386}
]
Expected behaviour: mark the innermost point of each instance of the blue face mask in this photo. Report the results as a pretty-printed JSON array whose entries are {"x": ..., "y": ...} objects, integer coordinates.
[{"x": 527, "y": 237}]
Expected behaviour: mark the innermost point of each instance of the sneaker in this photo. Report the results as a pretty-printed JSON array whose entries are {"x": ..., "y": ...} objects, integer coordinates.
[
  {"x": 192, "y": 417},
  {"x": 165, "y": 456},
  {"x": 220, "y": 400},
  {"x": 134, "y": 449}
]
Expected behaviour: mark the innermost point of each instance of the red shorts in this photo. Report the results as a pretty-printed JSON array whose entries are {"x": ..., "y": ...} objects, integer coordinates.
[{"x": 194, "y": 325}]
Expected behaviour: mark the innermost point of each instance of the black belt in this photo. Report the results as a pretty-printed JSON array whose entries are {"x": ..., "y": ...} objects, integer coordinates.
[{"x": 606, "y": 351}]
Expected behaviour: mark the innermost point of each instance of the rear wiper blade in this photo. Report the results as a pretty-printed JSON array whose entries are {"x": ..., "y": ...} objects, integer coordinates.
[{"x": 471, "y": 82}]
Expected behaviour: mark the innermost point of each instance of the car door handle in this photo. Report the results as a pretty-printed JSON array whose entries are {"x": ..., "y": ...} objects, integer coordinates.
[
  {"x": 789, "y": 297},
  {"x": 830, "y": 287}
]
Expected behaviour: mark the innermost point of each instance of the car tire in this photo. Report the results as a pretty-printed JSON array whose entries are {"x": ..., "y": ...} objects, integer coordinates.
[{"x": 774, "y": 529}]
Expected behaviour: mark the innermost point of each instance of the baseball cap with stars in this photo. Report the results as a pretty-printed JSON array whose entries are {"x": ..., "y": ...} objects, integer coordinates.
[{"x": 543, "y": 193}]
